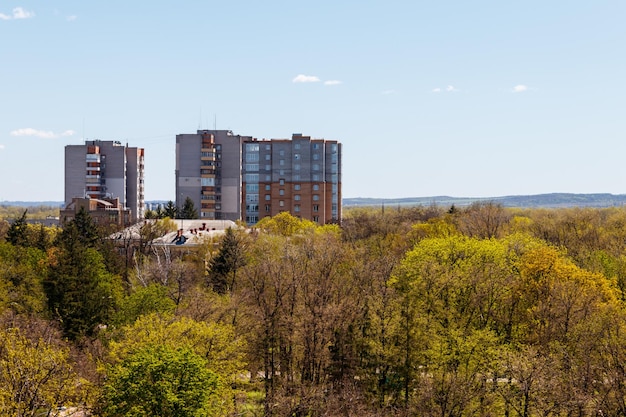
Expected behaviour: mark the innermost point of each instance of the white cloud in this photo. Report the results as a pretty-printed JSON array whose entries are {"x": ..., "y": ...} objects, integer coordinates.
[
  {"x": 71, "y": 18},
  {"x": 18, "y": 13},
  {"x": 301, "y": 78},
  {"x": 43, "y": 134},
  {"x": 332, "y": 82},
  {"x": 448, "y": 89},
  {"x": 520, "y": 88},
  {"x": 1, "y": 147}
]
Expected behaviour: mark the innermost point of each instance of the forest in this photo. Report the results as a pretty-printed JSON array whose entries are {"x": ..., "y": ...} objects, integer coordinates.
[{"x": 416, "y": 311}]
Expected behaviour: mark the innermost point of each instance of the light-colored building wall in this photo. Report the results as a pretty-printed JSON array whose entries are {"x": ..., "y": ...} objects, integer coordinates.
[{"x": 106, "y": 169}]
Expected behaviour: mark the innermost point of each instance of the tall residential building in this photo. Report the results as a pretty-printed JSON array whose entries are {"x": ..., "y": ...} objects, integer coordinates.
[
  {"x": 106, "y": 170},
  {"x": 235, "y": 177}
]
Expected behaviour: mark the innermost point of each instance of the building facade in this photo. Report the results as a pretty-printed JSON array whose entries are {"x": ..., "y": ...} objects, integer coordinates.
[
  {"x": 106, "y": 170},
  {"x": 233, "y": 177}
]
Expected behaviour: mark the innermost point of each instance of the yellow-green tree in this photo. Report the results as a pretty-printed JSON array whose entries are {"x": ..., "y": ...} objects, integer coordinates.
[{"x": 36, "y": 377}]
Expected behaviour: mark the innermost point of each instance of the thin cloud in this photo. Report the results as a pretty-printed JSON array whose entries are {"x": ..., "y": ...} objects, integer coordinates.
[
  {"x": 388, "y": 92},
  {"x": 448, "y": 89},
  {"x": 18, "y": 13},
  {"x": 332, "y": 82},
  {"x": 71, "y": 18},
  {"x": 43, "y": 134},
  {"x": 1, "y": 147},
  {"x": 301, "y": 78},
  {"x": 520, "y": 88}
]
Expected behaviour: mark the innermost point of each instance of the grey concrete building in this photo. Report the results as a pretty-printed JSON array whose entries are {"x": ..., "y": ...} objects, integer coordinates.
[
  {"x": 106, "y": 169},
  {"x": 235, "y": 177},
  {"x": 208, "y": 170}
]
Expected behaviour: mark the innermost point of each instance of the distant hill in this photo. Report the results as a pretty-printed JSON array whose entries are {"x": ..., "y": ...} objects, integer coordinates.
[
  {"x": 554, "y": 200},
  {"x": 32, "y": 203}
]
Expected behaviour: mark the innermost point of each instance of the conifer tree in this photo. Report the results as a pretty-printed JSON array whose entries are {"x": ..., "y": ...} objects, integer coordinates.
[{"x": 16, "y": 235}]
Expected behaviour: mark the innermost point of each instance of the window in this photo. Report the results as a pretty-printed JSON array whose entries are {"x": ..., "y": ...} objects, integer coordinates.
[
  {"x": 333, "y": 148},
  {"x": 296, "y": 177},
  {"x": 251, "y": 198},
  {"x": 252, "y": 177},
  {"x": 268, "y": 167},
  {"x": 296, "y": 156},
  {"x": 316, "y": 197},
  {"x": 268, "y": 147},
  {"x": 315, "y": 177},
  {"x": 267, "y": 208},
  {"x": 316, "y": 146},
  {"x": 252, "y": 157},
  {"x": 296, "y": 167},
  {"x": 268, "y": 177},
  {"x": 316, "y": 156},
  {"x": 281, "y": 162},
  {"x": 281, "y": 172},
  {"x": 296, "y": 187},
  {"x": 281, "y": 203},
  {"x": 297, "y": 208},
  {"x": 252, "y": 188},
  {"x": 316, "y": 187},
  {"x": 316, "y": 167},
  {"x": 281, "y": 182},
  {"x": 296, "y": 197},
  {"x": 267, "y": 157},
  {"x": 252, "y": 147},
  {"x": 267, "y": 197},
  {"x": 207, "y": 182},
  {"x": 316, "y": 207},
  {"x": 267, "y": 187},
  {"x": 296, "y": 146},
  {"x": 281, "y": 192},
  {"x": 316, "y": 219},
  {"x": 252, "y": 167},
  {"x": 282, "y": 152}
]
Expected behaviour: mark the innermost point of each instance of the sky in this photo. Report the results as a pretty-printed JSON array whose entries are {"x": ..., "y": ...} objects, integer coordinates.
[{"x": 429, "y": 98}]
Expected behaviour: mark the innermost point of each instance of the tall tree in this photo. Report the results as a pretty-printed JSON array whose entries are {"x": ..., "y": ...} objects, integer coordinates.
[
  {"x": 170, "y": 210},
  {"x": 17, "y": 233},
  {"x": 188, "y": 210},
  {"x": 231, "y": 256}
]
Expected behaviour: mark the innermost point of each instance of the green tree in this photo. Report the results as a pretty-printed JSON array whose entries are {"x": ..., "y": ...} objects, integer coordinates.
[
  {"x": 170, "y": 210},
  {"x": 17, "y": 233},
  {"x": 216, "y": 343},
  {"x": 161, "y": 380},
  {"x": 188, "y": 210},
  {"x": 231, "y": 256},
  {"x": 35, "y": 376},
  {"x": 22, "y": 272},
  {"x": 81, "y": 293}
]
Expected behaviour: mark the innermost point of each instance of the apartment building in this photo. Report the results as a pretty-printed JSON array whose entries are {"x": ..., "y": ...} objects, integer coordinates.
[
  {"x": 106, "y": 170},
  {"x": 235, "y": 177}
]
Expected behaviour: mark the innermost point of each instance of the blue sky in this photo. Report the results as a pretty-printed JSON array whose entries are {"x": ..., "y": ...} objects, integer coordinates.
[{"x": 460, "y": 98}]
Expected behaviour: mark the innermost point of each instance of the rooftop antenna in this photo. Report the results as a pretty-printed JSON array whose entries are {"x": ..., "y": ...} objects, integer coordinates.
[
  {"x": 214, "y": 121},
  {"x": 200, "y": 119}
]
